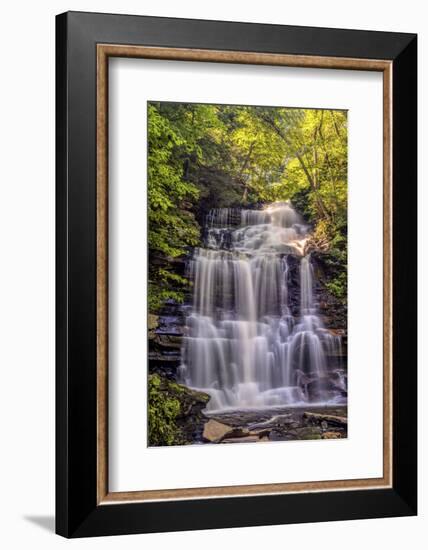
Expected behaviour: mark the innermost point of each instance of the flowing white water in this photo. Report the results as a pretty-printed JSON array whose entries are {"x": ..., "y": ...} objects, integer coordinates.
[{"x": 242, "y": 345}]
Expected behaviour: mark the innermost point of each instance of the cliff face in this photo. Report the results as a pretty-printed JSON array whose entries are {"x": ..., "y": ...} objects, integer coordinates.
[
  {"x": 333, "y": 309},
  {"x": 165, "y": 340}
]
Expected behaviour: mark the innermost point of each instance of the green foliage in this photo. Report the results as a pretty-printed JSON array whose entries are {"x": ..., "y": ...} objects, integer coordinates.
[
  {"x": 163, "y": 411},
  {"x": 172, "y": 226},
  {"x": 158, "y": 295},
  {"x": 338, "y": 286}
]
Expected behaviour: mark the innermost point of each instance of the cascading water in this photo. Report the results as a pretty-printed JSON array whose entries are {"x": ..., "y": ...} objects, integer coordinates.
[{"x": 242, "y": 345}]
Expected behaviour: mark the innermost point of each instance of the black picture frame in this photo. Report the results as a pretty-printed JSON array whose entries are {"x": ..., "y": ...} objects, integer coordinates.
[{"x": 77, "y": 511}]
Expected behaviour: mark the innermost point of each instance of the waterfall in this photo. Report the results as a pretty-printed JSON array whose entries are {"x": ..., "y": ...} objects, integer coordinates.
[
  {"x": 242, "y": 345},
  {"x": 305, "y": 285}
]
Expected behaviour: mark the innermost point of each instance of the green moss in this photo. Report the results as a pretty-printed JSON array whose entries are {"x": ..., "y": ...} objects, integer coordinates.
[
  {"x": 163, "y": 412},
  {"x": 336, "y": 261}
]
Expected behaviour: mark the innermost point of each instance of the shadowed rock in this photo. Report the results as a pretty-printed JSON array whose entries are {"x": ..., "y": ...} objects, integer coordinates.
[{"x": 315, "y": 418}]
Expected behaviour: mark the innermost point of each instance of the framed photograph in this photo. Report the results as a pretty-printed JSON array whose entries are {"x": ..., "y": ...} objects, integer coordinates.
[{"x": 236, "y": 274}]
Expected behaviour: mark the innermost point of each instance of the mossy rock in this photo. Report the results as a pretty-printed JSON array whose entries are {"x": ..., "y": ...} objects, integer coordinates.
[{"x": 175, "y": 412}]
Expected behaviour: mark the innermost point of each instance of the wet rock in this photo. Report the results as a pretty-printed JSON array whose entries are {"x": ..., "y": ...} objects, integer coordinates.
[
  {"x": 172, "y": 324},
  {"x": 326, "y": 419},
  {"x": 281, "y": 424},
  {"x": 166, "y": 371},
  {"x": 274, "y": 422},
  {"x": 317, "y": 386},
  {"x": 215, "y": 431},
  {"x": 293, "y": 281},
  {"x": 168, "y": 341},
  {"x": 334, "y": 384},
  {"x": 165, "y": 340},
  {"x": 165, "y": 363},
  {"x": 165, "y": 349}
]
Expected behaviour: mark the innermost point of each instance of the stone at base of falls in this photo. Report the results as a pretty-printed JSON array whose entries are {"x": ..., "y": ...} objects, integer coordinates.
[
  {"x": 325, "y": 419},
  {"x": 286, "y": 424},
  {"x": 217, "y": 432}
]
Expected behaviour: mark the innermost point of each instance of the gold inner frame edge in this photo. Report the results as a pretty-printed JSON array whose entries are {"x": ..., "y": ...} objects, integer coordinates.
[{"x": 104, "y": 51}]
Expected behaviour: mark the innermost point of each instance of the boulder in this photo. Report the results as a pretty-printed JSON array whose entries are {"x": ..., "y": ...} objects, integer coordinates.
[
  {"x": 218, "y": 432},
  {"x": 215, "y": 431}
]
